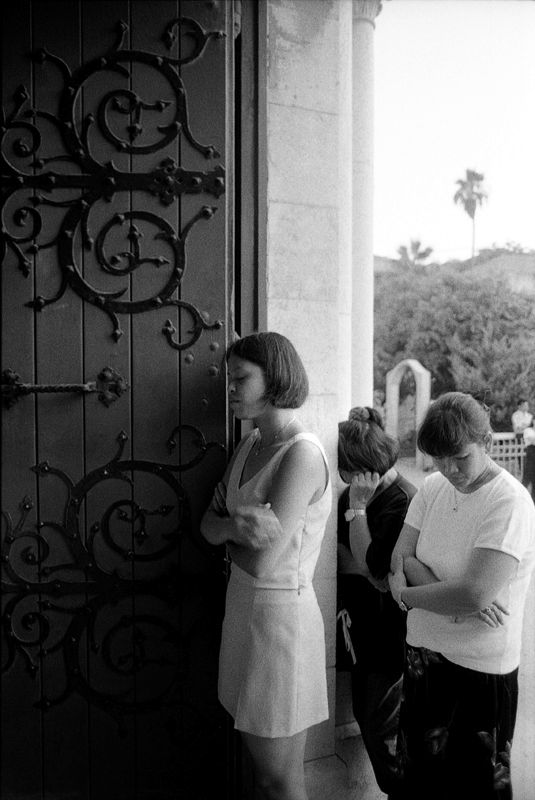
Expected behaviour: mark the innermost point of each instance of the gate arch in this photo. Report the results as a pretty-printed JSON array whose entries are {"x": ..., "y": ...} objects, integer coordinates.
[{"x": 422, "y": 379}]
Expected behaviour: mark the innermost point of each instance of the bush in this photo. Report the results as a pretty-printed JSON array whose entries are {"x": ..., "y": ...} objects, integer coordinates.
[{"x": 471, "y": 336}]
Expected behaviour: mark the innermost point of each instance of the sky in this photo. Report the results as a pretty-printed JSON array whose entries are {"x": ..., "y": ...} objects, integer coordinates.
[{"x": 454, "y": 90}]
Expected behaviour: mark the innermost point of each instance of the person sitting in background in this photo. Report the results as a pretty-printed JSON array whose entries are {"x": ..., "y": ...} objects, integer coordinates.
[
  {"x": 371, "y": 511},
  {"x": 461, "y": 568},
  {"x": 522, "y": 417},
  {"x": 499, "y": 418},
  {"x": 528, "y": 475}
]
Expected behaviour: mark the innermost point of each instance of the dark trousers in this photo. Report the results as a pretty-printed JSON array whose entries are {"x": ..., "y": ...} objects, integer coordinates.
[
  {"x": 456, "y": 730},
  {"x": 376, "y": 702},
  {"x": 528, "y": 476}
]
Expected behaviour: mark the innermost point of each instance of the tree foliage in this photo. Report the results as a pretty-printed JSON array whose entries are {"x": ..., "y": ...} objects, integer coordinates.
[
  {"x": 470, "y": 193},
  {"x": 413, "y": 255},
  {"x": 471, "y": 336}
]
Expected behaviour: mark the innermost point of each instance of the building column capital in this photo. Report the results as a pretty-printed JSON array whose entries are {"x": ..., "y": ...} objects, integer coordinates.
[{"x": 366, "y": 10}]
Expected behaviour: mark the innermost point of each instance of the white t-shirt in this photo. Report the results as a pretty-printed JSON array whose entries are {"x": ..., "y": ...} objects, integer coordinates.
[
  {"x": 500, "y": 516},
  {"x": 520, "y": 420}
]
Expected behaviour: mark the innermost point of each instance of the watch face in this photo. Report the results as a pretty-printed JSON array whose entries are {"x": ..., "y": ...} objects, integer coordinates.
[{"x": 350, "y": 514}]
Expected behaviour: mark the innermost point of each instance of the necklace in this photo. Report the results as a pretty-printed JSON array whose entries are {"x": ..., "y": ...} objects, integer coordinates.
[
  {"x": 456, "y": 500},
  {"x": 488, "y": 474},
  {"x": 259, "y": 446}
]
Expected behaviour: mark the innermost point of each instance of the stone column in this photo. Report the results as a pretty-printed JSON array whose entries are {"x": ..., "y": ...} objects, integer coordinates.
[
  {"x": 345, "y": 206},
  {"x": 304, "y": 70},
  {"x": 364, "y": 14}
]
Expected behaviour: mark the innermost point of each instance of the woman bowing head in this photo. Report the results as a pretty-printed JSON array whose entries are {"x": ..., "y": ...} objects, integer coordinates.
[
  {"x": 462, "y": 567},
  {"x": 270, "y": 510}
]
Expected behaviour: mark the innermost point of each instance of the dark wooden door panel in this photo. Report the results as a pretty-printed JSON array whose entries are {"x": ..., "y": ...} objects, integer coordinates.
[{"x": 116, "y": 259}]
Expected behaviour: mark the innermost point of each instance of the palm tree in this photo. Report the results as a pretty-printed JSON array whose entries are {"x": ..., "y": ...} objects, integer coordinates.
[
  {"x": 469, "y": 194},
  {"x": 414, "y": 255}
]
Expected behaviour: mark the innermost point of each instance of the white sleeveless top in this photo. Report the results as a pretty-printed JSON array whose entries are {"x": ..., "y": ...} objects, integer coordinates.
[{"x": 290, "y": 562}]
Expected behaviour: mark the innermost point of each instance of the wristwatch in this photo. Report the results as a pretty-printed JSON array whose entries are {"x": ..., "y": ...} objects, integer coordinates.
[
  {"x": 403, "y": 605},
  {"x": 351, "y": 513}
]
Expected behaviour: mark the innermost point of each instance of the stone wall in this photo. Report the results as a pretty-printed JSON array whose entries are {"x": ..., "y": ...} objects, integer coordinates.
[{"x": 307, "y": 224}]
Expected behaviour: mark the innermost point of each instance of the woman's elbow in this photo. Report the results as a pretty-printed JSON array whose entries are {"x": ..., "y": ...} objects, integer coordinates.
[
  {"x": 205, "y": 533},
  {"x": 397, "y": 560},
  {"x": 207, "y": 529}
]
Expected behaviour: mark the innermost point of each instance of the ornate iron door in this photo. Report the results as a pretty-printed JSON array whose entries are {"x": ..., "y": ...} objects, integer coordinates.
[{"x": 115, "y": 317}]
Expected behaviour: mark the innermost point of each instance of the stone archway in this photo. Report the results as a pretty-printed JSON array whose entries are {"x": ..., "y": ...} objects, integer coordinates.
[{"x": 422, "y": 379}]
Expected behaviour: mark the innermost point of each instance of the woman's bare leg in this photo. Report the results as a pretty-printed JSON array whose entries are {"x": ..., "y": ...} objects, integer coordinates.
[{"x": 279, "y": 765}]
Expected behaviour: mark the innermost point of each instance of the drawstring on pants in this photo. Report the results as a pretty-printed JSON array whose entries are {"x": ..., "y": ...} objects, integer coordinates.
[{"x": 346, "y": 624}]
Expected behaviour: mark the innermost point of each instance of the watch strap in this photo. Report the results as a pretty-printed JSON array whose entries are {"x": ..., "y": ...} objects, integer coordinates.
[{"x": 403, "y": 605}]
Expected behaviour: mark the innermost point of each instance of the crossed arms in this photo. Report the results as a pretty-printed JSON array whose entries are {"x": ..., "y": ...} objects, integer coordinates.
[{"x": 472, "y": 593}]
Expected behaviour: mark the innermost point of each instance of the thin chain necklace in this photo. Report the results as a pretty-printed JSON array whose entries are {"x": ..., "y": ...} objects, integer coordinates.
[
  {"x": 259, "y": 446},
  {"x": 456, "y": 500},
  {"x": 488, "y": 473}
]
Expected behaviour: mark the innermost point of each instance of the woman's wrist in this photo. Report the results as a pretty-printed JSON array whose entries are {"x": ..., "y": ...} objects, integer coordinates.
[
  {"x": 354, "y": 501},
  {"x": 401, "y": 603}
]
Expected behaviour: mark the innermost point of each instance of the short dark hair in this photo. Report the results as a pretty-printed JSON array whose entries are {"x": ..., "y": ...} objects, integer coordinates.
[
  {"x": 452, "y": 421},
  {"x": 364, "y": 445},
  {"x": 286, "y": 378}
]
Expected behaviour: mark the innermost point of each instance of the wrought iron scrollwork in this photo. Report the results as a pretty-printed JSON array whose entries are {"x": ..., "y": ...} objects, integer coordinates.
[
  {"x": 131, "y": 125},
  {"x": 95, "y": 600}
]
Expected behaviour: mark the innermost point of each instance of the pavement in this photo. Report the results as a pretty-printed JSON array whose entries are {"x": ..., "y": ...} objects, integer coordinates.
[{"x": 347, "y": 775}]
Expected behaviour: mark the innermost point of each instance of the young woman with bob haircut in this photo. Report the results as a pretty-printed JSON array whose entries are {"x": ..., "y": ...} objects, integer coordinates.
[
  {"x": 462, "y": 567},
  {"x": 371, "y": 512},
  {"x": 270, "y": 511}
]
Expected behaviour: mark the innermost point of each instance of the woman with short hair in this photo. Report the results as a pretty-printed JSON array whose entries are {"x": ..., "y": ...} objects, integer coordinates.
[
  {"x": 461, "y": 568},
  {"x": 270, "y": 510}
]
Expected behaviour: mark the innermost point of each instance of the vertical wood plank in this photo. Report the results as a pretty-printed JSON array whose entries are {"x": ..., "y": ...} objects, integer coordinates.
[
  {"x": 208, "y": 85},
  {"x": 156, "y": 369},
  {"x": 21, "y": 769},
  {"x": 112, "y": 654},
  {"x": 60, "y": 424}
]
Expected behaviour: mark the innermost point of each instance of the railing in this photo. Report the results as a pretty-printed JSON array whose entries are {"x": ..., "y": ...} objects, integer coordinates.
[{"x": 508, "y": 450}]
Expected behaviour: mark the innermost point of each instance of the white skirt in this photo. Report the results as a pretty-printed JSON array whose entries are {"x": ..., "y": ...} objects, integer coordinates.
[{"x": 272, "y": 676}]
